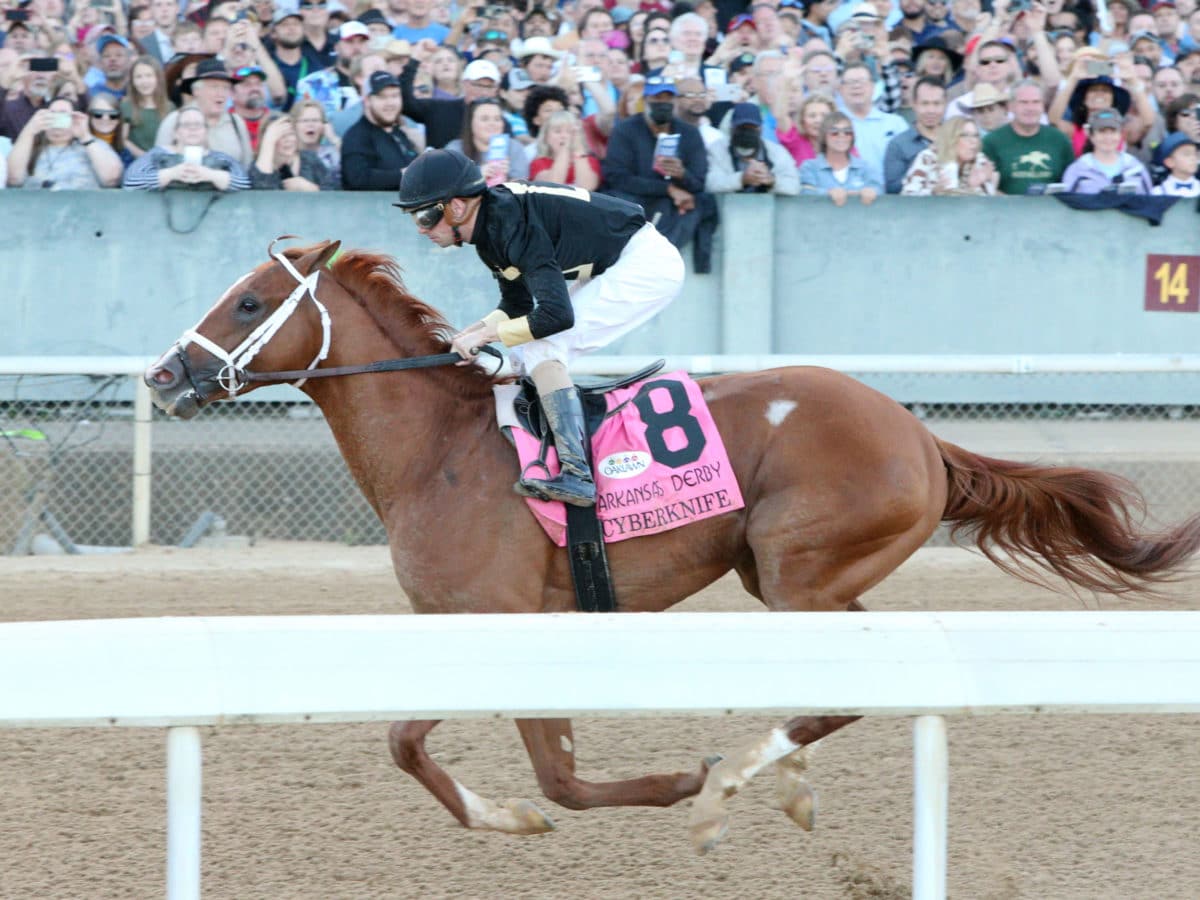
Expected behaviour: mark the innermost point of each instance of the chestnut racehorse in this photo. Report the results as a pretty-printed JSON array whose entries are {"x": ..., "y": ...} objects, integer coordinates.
[{"x": 841, "y": 485}]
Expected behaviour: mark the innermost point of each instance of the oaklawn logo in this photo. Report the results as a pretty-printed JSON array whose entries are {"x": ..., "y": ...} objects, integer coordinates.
[{"x": 629, "y": 464}]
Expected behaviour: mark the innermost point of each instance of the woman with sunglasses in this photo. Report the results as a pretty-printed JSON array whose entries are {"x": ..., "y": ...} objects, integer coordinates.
[
  {"x": 654, "y": 52},
  {"x": 55, "y": 152},
  {"x": 104, "y": 122},
  {"x": 535, "y": 239},
  {"x": 836, "y": 172},
  {"x": 954, "y": 165}
]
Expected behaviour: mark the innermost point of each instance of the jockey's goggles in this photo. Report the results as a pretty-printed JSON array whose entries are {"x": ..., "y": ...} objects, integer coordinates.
[{"x": 429, "y": 216}]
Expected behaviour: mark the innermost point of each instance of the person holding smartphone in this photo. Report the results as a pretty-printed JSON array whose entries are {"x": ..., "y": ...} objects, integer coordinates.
[
  {"x": 36, "y": 82},
  {"x": 188, "y": 162},
  {"x": 56, "y": 152}
]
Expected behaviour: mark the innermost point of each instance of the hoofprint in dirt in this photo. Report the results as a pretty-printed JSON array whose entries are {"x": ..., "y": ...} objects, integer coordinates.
[{"x": 1040, "y": 807}]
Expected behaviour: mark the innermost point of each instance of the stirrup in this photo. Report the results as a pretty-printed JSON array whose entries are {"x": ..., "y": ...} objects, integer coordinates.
[
  {"x": 566, "y": 488},
  {"x": 528, "y": 489}
]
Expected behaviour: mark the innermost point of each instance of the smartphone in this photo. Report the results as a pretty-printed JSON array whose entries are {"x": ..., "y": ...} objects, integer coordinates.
[
  {"x": 193, "y": 155},
  {"x": 587, "y": 73},
  {"x": 497, "y": 148},
  {"x": 17, "y": 15},
  {"x": 43, "y": 64},
  {"x": 1098, "y": 68},
  {"x": 60, "y": 120}
]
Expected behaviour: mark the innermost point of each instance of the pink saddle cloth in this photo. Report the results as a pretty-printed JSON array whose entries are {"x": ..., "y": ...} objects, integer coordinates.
[{"x": 659, "y": 463}]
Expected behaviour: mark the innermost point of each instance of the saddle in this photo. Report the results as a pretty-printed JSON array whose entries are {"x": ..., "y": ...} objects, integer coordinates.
[
  {"x": 585, "y": 538},
  {"x": 528, "y": 405}
]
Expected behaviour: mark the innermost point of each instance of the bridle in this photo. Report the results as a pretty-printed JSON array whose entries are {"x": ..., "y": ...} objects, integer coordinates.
[{"x": 233, "y": 376}]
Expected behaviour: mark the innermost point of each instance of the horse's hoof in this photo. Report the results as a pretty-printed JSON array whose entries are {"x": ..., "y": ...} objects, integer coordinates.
[
  {"x": 527, "y": 818},
  {"x": 799, "y": 801},
  {"x": 707, "y": 834}
]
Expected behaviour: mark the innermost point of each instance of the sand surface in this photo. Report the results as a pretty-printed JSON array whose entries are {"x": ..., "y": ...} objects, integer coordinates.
[{"x": 1040, "y": 807}]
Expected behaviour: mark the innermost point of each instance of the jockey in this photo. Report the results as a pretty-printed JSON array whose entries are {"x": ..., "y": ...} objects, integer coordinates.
[{"x": 537, "y": 237}]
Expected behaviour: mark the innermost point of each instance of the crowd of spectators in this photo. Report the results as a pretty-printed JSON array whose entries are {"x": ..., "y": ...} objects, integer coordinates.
[{"x": 665, "y": 104}]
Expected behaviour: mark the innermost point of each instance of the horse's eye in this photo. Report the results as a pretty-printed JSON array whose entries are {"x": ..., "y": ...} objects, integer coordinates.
[{"x": 248, "y": 305}]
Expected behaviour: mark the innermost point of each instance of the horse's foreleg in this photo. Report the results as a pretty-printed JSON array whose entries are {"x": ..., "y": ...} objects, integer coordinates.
[
  {"x": 551, "y": 746},
  {"x": 406, "y": 740}
]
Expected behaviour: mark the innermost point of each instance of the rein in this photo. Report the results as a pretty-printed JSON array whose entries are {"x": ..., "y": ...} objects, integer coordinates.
[{"x": 383, "y": 365}]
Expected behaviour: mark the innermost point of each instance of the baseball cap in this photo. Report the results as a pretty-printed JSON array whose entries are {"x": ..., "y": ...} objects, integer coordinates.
[
  {"x": 743, "y": 61},
  {"x": 1105, "y": 118},
  {"x": 1142, "y": 35},
  {"x": 285, "y": 12},
  {"x": 478, "y": 69},
  {"x": 380, "y": 80},
  {"x": 746, "y": 114},
  {"x": 249, "y": 72},
  {"x": 657, "y": 84},
  {"x": 1161, "y": 4},
  {"x": 1171, "y": 143},
  {"x": 106, "y": 39},
  {"x": 863, "y": 12},
  {"x": 353, "y": 30},
  {"x": 738, "y": 21},
  {"x": 620, "y": 14},
  {"x": 373, "y": 17}
]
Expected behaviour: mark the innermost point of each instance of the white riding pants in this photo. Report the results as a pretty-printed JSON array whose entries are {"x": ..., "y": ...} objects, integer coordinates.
[{"x": 645, "y": 278}]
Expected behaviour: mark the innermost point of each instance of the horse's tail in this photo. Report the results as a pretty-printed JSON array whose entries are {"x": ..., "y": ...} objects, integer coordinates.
[{"x": 1079, "y": 524}]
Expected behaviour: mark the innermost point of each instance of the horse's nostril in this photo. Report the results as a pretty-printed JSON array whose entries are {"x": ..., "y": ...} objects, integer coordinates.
[{"x": 161, "y": 377}]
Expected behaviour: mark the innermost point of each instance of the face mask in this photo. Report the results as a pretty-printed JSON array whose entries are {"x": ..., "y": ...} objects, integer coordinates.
[
  {"x": 744, "y": 143},
  {"x": 661, "y": 113}
]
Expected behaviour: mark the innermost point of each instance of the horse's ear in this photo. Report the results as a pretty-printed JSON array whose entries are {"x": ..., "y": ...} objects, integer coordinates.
[{"x": 316, "y": 261}]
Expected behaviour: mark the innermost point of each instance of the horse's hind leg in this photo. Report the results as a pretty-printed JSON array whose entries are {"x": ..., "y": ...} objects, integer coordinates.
[
  {"x": 551, "y": 747},
  {"x": 406, "y": 740}
]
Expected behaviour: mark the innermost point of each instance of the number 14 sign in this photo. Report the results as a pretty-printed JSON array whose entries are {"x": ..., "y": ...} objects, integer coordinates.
[{"x": 1172, "y": 283}]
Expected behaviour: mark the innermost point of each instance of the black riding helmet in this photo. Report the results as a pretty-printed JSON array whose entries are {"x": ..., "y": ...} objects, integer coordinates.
[{"x": 438, "y": 176}]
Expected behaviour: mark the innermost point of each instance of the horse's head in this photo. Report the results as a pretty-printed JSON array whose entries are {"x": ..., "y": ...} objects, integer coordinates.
[{"x": 271, "y": 316}]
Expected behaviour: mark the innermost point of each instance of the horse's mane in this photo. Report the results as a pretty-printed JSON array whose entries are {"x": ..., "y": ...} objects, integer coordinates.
[{"x": 413, "y": 326}]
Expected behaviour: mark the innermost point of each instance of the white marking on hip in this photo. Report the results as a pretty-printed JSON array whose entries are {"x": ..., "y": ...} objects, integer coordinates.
[{"x": 777, "y": 410}]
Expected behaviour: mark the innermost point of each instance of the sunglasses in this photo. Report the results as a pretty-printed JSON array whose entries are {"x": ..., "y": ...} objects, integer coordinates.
[
  {"x": 845, "y": 132},
  {"x": 312, "y": 5},
  {"x": 994, "y": 61},
  {"x": 428, "y": 216},
  {"x": 105, "y": 114}
]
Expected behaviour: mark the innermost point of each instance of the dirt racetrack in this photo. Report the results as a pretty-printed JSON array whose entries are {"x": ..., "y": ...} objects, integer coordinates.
[{"x": 1040, "y": 807}]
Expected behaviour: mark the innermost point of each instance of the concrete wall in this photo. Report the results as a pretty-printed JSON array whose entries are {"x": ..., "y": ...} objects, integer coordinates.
[{"x": 112, "y": 273}]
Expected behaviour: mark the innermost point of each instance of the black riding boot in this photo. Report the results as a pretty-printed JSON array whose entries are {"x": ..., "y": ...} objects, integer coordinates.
[{"x": 573, "y": 484}]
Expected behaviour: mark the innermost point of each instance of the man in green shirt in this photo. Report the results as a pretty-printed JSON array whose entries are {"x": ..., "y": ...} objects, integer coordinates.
[{"x": 1025, "y": 151}]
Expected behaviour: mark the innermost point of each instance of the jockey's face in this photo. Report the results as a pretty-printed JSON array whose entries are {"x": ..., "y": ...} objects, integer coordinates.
[{"x": 442, "y": 233}]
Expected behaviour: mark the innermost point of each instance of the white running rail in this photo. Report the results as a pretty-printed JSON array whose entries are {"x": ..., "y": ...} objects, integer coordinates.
[{"x": 181, "y": 673}]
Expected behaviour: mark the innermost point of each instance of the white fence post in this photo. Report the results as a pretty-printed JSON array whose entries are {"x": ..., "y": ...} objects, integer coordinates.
[
  {"x": 142, "y": 422},
  {"x": 183, "y": 813},
  {"x": 931, "y": 783}
]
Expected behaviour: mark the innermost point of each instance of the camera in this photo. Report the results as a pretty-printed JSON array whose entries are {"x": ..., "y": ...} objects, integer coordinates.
[
  {"x": 1098, "y": 68},
  {"x": 60, "y": 120}
]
